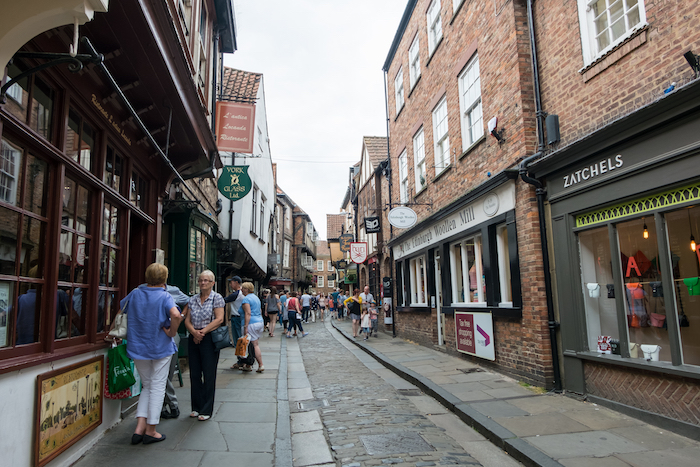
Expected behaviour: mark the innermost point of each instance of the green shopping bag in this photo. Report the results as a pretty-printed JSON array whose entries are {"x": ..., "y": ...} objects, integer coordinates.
[{"x": 120, "y": 375}]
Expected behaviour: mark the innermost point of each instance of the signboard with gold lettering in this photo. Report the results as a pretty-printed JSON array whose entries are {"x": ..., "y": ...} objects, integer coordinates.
[
  {"x": 235, "y": 124},
  {"x": 234, "y": 182}
]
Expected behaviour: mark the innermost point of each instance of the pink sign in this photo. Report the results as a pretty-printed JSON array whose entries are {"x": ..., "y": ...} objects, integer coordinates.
[
  {"x": 465, "y": 332},
  {"x": 235, "y": 125}
]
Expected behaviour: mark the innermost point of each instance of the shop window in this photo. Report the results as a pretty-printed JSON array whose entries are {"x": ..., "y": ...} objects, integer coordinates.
[
  {"x": 504, "y": 277},
  {"x": 419, "y": 160},
  {"x": 40, "y": 101},
  {"x": 419, "y": 281},
  {"x": 137, "y": 191},
  {"x": 80, "y": 140},
  {"x": 22, "y": 246},
  {"x": 470, "y": 104},
  {"x": 199, "y": 249},
  {"x": 683, "y": 232},
  {"x": 598, "y": 288},
  {"x": 74, "y": 243},
  {"x": 468, "y": 284},
  {"x": 110, "y": 250},
  {"x": 607, "y": 23},
  {"x": 644, "y": 308},
  {"x": 18, "y": 93},
  {"x": 112, "y": 175},
  {"x": 42, "y": 108}
]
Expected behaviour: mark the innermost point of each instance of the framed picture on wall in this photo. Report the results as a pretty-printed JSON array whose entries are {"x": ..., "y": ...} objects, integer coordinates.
[{"x": 69, "y": 406}]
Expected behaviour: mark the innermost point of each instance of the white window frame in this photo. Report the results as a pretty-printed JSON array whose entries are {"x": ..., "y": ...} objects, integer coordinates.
[
  {"x": 590, "y": 48},
  {"x": 10, "y": 162},
  {"x": 398, "y": 90},
  {"x": 403, "y": 178},
  {"x": 434, "y": 21},
  {"x": 15, "y": 92},
  {"x": 419, "y": 160},
  {"x": 330, "y": 266},
  {"x": 441, "y": 137},
  {"x": 456, "y": 4},
  {"x": 319, "y": 265},
  {"x": 320, "y": 281},
  {"x": 262, "y": 215},
  {"x": 472, "y": 118},
  {"x": 464, "y": 277},
  {"x": 287, "y": 246},
  {"x": 418, "y": 276},
  {"x": 331, "y": 284},
  {"x": 504, "y": 281},
  {"x": 253, "y": 218},
  {"x": 414, "y": 62}
]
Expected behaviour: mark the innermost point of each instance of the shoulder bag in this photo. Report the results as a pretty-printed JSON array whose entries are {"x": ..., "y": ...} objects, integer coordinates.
[{"x": 119, "y": 328}]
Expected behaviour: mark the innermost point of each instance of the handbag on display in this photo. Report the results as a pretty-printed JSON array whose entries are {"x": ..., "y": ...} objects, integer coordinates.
[
  {"x": 611, "y": 290},
  {"x": 593, "y": 289},
  {"x": 220, "y": 337},
  {"x": 120, "y": 324},
  {"x": 657, "y": 320}
]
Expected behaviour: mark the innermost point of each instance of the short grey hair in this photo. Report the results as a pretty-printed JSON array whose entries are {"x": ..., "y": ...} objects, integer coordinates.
[{"x": 208, "y": 274}]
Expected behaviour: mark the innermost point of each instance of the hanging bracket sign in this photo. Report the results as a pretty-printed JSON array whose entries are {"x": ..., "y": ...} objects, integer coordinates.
[
  {"x": 403, "y": 217},
  {"x": 234, "y": 182}
]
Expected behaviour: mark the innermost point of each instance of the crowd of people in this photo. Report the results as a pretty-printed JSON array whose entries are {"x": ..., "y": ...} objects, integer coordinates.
[{"x": 156, "y": 310}]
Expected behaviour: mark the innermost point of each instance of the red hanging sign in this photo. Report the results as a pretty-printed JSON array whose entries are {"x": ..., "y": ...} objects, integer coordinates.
[{"x": 358, "y": 252}]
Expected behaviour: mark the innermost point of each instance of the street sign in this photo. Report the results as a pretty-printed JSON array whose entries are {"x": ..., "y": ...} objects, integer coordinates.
[
  {"x": 234, "y": 182},
  {"x": 345, "y": 241},
  {"x": 403, "y": 217}
]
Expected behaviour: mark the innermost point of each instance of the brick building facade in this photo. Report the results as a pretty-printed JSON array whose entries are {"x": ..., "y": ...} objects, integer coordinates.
[{"x": 473, "y": 257}]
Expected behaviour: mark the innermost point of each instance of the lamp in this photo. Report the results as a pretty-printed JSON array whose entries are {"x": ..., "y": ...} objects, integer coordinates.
[
  {"x": 693, "y": 246},
  {"x": 495, "y": 132},
  {"x": 646, "y": 232}
]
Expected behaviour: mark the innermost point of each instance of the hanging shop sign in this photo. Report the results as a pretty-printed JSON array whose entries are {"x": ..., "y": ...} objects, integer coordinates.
[
  {"x": 345, "y": 241},
  {"x": 234, "y": 182},
  {"x": 474, "y": 333},
  {"x": 342, "y": 264},
  {"x": 498, "y": 201},
  {"x": 235, "y": 123},
  {"x": 358, "y": 252},
  {"x": 402, "y": 217},
  {"x": 372, "y": 225}
]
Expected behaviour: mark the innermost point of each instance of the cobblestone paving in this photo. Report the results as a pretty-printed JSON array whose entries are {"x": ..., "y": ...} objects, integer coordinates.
[{"x": 361, "y": 405}]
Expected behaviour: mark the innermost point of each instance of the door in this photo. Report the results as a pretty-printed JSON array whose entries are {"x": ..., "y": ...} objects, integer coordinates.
[{"x": 438, "y": 298}]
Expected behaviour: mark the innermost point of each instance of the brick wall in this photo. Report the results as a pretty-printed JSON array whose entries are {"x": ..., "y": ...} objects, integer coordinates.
[
  {"x": 420, "y": 327},
  {"x": 671, "y": 396}
]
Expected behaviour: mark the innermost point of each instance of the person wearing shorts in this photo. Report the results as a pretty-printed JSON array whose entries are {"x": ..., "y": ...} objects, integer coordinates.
[
  {"x": 254, "y": 324},
  {"x": 272, "y": 308},
  {"x": 354, "y": 305}
]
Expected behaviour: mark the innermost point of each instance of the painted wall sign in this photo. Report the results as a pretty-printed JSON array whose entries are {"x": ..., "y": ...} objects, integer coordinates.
[
  {"x": 234, "y": 182},
  {"x": 592, "y": 171},
  {"x": 235, "y": 125},
  {"x": 474, "y": 334},
  {"x": 402, "y": 217},
  {"x": 464, "y": 219},
  {"x": 358, "y": 252},
  {"x": 117, "y": 126}
]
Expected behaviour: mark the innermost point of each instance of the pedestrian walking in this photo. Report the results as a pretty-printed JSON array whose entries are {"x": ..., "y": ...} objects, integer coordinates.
[
  {"x": 305, "y": 306},
  {"x": 206, "y": 314},
  {"x": 153, "y": 321},
  {"x": 233, "y": 306},
  {"x": 374, "y": 319},
  {"x": 322, "y": 305},
  {"x": 354, "y": 305},
  {"x": 294, "y": 315},
  {"x": 366, "y": 323},
  {"x": 284, "y": 319},
  {"x": 272, "y": 309},
  {"x": 254, "y": 325}
]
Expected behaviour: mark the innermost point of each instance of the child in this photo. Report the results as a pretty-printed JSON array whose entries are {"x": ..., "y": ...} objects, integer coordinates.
[
  {"x": 373, "y": 319},
  {"x": 366, "y": 323}
]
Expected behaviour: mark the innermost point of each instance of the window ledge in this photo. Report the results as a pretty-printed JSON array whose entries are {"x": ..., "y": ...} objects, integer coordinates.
[
  {"x": 261, "y": 240},
  {"x": 400, "y": 110},
  {"x": 686, "y": 371},
  {"x": 472, "y": 147},
  {"x": 432, "y": 54},
  {"x": 28, "y": 361},
  {"x": 421, "y": 191},
  {"x": 253, "y": 234},
  {"x": 605, "y": 61},
  {"x": 415, "y": 85},
  {"x": 443, "y": 172},
  {"x": 456, "y": 12}
]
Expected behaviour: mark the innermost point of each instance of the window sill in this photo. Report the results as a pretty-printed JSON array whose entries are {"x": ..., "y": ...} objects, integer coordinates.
[
  {"x": 472, "y": 147},
  {"x": 421, "y": 191},
  {"x": 28, "y": 361},
  {"x": 686, "y": 371},
  {"x": 443, "y": 172},
  {"x": 605, "y": 61},
  {"x": 432, "y": 54},
  {"x": 414, "y": 86},
  {"x": 253, "y": 234},
  {"x": 456, "y": 12},
  {"x": 261, "y": 240},
  {"x": 496, "y": 311},
  {"x": 400, "y": 110}
]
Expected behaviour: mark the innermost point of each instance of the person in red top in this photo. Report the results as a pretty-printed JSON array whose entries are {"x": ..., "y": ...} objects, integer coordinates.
[{"x": 294, "y": 311}]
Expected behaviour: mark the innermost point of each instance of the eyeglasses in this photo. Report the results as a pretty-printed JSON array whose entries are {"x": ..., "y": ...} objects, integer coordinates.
[{"x": 205, "y": 280}]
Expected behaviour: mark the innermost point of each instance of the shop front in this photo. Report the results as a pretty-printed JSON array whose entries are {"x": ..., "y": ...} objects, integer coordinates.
[
  {"x": 625, "y": 214},
  {"x": 459, "y": 264}
]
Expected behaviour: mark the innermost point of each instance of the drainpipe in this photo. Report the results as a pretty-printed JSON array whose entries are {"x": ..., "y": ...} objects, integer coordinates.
[
  {"x": 541, "y": 191},
  {"x": 391, "y": 227}
]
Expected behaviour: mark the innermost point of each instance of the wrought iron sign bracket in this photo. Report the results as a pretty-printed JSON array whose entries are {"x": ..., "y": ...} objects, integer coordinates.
[{"x": 75, "y": 64}]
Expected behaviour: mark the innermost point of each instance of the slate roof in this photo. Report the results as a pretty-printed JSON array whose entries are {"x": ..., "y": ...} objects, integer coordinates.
[
  {"x": 377, "y": 149},
  {"x": 334, "y": 225},
  {"x": 240, "y": 86}
]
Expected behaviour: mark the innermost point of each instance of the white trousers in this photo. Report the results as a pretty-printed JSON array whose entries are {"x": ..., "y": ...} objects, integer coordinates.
[{"x": 153, "y": 375}]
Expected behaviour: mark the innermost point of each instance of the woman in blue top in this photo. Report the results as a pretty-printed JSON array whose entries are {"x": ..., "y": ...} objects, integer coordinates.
[
  {"x": 253, "y": 320},
  {"x": 153, "y": 322}
]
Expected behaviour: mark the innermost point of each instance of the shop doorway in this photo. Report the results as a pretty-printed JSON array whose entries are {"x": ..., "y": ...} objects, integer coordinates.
[
  {"x": 138, "y": 254},
  {"x": 438, "y": 298}
]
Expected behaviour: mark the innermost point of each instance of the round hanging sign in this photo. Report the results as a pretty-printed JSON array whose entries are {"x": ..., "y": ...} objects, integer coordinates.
[{"x": 403, "y": 217}]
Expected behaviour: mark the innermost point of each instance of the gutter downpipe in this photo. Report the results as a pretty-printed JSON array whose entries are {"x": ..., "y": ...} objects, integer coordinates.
[
  {"x": 541, "y": 191},
  {"x": 391, "y": 227}
]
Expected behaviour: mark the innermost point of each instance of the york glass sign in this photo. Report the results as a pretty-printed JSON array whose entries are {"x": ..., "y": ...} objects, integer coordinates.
[{"x": 234, "y": 182}]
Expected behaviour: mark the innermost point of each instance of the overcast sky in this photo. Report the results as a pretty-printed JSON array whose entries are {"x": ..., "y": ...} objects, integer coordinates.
[{"x": 321, "y": 62}]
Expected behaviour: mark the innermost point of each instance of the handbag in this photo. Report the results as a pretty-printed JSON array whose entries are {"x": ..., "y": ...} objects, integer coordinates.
[
  {"x": 120, "y": 375},
  {"x": 123, "y": 394},
  {"x": 120, "y": 325},
  {"x": 657, "y": 320},
  {"x": 220, "y": 337},
  {"x": 242, "y": 346}
]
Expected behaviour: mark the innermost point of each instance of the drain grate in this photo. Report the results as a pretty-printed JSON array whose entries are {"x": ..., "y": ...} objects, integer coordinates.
[
  {"x": 395, "y": 443},
  {"x": 409, "y": 392},
  {"x": 312, "y": 404},
  {"x": 471, "y": 370}
]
